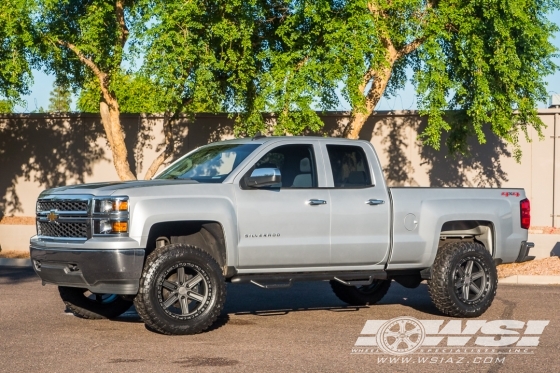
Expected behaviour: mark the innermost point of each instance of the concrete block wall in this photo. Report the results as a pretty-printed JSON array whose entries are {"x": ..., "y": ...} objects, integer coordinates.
[{"x": 39, "y": 151}]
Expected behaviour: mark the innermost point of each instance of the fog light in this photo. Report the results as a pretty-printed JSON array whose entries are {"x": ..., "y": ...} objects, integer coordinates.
[{"x": 120, "y": 227}]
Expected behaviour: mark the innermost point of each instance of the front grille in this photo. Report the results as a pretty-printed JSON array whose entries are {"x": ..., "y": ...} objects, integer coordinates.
[
  {"x": 63, "y": 217},
  {"x": 67, "y": 205},
  {"x": 59, "y": 229}
]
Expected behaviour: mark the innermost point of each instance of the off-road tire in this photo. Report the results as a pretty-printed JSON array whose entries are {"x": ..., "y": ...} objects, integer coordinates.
[
  {"x": 104, "y": 306},
  {"x": 445, "y": 285},
  {"x": 361, "y": 295},
  {"x": 161, "y": 273}
]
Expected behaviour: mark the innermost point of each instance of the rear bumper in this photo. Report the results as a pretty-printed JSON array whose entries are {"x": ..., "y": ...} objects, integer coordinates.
[
  {"x": 524, "y": 252},
  {"x": 108, "y": 271}
]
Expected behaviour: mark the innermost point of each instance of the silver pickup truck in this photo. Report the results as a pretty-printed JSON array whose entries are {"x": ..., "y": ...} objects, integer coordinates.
[{"x": 270, "y": 211}]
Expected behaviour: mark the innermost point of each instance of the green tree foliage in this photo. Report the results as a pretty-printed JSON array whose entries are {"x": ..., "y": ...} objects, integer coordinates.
[
  {"x": 475, "y": 63},
  {"x": 60, "y": 99},
  {"x": 195, "y": 56},
  {"x": 230, "y": 56},
  {"x": 6, "y": 106},
  {"x": 16, "y": 49},
  {"x": 300, "y": 64},
  {"x": 83, "y": 45},
  {"x": 134, "y": 93},
  {"x": 485, "y": 60},
  {"x": 200, "y": 54}
]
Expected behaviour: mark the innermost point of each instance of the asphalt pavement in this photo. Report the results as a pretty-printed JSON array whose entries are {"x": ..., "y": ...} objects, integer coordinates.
[{"x": 301, "y": 329}]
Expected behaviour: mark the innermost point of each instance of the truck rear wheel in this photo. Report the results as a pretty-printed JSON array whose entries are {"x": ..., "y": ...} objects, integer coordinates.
[
  {"x": 182, "y": 290},
  {"x": 464, "y": 279},
  {"x": 89, "y": 305},
  {"x": 361, "y": 295}
]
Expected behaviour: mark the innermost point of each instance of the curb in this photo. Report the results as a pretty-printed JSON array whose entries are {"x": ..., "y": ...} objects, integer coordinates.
[
  {"x": 530, "y": 280},
  {"x": 6, "y": 262}
]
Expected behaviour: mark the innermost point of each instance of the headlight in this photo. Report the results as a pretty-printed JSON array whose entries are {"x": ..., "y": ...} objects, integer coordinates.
[
  {"x": 109, "y": 205},
  {"x": 110, "y": 215}
]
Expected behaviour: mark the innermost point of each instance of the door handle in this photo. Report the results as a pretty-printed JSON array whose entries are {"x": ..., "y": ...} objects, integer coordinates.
[
  {"x": 313, "y": 202},
  {"x": 375, "y": 202}
]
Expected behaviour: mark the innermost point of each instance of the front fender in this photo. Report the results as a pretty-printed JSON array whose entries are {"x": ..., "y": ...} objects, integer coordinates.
[{"x": 148, "y": 212}]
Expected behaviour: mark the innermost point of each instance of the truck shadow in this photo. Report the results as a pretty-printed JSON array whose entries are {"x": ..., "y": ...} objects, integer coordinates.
[
  {"x": 17, "y": 275},
  {"x": 246, "y": 299}
]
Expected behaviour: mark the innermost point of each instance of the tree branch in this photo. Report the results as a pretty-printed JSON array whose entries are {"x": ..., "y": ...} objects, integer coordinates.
[
  {"x": 411, "y": 47},
  {"x": 119, "y": 10},
  {"x": 169, "y": 146},
  {"x": 374, "y": 9},
  {"x": 89, "y": 63},
  {"x": 168, "y": 120},
  {"x": 380, "y": 75},
  {"x": 385, "y": 38}
]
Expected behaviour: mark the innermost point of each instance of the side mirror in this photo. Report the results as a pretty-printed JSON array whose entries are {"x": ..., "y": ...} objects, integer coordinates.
[{"x": 264, "y": 177}]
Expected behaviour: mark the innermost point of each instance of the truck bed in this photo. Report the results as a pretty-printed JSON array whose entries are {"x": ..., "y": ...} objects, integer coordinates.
[{"x": 419, "y": 212}]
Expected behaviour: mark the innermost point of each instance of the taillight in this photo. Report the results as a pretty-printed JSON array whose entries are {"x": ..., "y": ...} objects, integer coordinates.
[{"x": 525, "y": 213}]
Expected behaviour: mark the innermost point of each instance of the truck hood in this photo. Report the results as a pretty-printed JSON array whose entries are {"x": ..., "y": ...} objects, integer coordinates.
[{"x": 109, "y": 188}]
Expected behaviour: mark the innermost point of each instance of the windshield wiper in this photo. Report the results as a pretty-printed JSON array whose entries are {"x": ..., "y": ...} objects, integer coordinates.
[{"x": 184, "y": 178}]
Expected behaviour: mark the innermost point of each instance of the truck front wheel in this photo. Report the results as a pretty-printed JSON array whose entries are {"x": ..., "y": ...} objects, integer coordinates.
[
  {"x": 88, "y": 305},
  {"x": 464, "y": 279},
  {"x": 182, "y": 290},
  {"x": 361, "y": 295}
]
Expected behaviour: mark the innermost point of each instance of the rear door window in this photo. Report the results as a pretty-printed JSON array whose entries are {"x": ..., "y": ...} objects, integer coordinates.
[{"x": 349, "y": 166}]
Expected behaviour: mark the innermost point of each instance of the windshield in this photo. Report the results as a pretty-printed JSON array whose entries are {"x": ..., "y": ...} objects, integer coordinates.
[{"x": 209, "y": 164}]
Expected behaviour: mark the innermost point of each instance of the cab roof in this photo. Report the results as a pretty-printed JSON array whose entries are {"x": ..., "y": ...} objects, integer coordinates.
[{"x": 266, "y": 139}]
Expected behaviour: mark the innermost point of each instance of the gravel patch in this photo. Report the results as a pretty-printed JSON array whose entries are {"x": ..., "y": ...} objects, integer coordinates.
[
  {"x": 540, "y": 267},
  {"x": 12, "y": 254},
  {"x": 17, "y": 220},
  {"x": 544, "y": 230}
]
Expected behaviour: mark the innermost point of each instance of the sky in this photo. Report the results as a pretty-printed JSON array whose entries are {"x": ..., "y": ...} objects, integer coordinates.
[{"x": 404, "y": 100}]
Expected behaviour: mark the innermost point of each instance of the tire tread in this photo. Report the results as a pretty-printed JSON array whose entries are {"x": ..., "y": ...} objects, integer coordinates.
[
  {"x": 145, "y": 308},
  {"x": 438, "y": 284}
]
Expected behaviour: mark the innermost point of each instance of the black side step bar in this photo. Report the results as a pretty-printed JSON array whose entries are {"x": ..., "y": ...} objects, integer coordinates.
[
  {"x": 284, "y": 280},
  {"x": 271, "y": 285}
]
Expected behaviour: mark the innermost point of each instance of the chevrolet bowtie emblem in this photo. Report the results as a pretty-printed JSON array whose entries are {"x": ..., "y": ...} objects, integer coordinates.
[{"x": 52, "y": 216}]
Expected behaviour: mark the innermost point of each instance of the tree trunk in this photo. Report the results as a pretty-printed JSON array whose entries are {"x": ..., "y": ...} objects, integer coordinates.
[
  {"x": 110, "y": 116},
  {"x": 380, "y": 79},
  {"x": 169, "y": 146},
  {"x": 109, "y": 106},
  {"x": 356, "y": 123}
]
